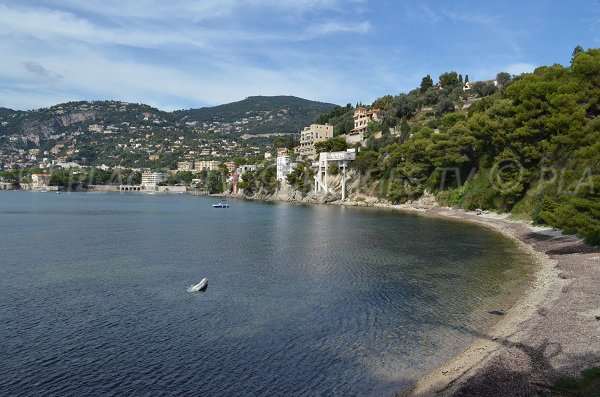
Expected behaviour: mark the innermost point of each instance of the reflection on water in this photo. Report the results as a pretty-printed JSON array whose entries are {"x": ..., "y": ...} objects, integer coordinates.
[{"x": 303, "y": 300}]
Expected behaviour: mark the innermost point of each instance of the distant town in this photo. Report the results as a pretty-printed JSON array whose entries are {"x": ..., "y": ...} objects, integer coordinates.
[{"x": 285, "y": 160}]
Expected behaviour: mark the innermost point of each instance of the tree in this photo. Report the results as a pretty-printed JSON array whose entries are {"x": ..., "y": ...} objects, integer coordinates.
[
  {"x": 215, "y": 182},
  {"x": 578, "y": 49},
  {"x": 449, "y": 79},
  {"x": 466, "y": 78},
  {"x": 336, "y": 144},
  {"x": 485, "y": 89},
  {"x": 404, "y": 131},
  {"x": 426, "y": 83},
  {"x": 503, "y": 78},
  {"x": 383, "y": 103},
  {"x": 444, "y": 106}
]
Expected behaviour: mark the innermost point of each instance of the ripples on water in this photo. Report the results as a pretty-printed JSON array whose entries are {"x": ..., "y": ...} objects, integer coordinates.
[{"x": 301, "y": 300}]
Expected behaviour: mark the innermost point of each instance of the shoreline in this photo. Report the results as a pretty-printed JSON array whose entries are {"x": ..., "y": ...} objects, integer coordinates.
[{"x": 549, "y": 332}]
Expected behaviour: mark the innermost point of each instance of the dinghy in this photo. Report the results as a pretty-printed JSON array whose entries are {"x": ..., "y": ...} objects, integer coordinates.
[{"x": 201, "y": 286}]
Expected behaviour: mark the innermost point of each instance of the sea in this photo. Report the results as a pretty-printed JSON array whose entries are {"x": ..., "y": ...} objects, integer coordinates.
[{"x": 302, "y": 300}]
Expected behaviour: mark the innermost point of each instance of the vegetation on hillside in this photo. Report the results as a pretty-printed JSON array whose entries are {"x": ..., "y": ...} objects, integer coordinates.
[
  {"x": 260, "y": 114},
  {"x": 529, "y": 144}
]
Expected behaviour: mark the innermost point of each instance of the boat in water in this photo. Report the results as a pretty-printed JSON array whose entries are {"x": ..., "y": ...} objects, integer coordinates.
[
  {"x": 221, "y": 205},
  {"x": 201, "y": 286}
]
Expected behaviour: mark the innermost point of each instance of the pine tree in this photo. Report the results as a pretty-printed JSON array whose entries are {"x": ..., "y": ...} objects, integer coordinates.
[
  {"x": 576, "y": 51},
  {"x": 426, "y": 83},
  {"x": 404, "y": 131}
]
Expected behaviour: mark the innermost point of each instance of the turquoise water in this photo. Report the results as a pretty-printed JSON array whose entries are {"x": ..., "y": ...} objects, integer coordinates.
[{"x": 302, "y": 300}]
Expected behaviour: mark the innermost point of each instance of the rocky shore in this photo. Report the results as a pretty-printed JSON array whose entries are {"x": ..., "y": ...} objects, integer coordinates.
[{"x": 553, "y": 331}]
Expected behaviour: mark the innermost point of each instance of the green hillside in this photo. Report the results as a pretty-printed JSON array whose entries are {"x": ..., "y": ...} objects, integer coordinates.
[
  {"x": 531, "y": 148},
  {"x": 257, "y": 115},
  {"x": 529, "y": 145}
]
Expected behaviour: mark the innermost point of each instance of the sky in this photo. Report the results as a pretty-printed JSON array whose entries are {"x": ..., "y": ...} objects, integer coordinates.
[{"x": 182, "y": 54}]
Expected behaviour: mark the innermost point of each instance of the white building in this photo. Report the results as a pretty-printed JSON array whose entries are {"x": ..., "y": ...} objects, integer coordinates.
[
  {"x": 284, "y": 166},
  {"x": 341, "y": 159},
  {"x": 153, "y": 178}
]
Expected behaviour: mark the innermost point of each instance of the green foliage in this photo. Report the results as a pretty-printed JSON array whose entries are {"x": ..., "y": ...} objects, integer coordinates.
[
  {"x": 216, "y": 182},
  {"x": 335, "y": 144},
  {"x": 449, "y": 79},
  {"x": 299, "y": 113},
  {"x": 287, "y": 141},
  {"x": 426, "y": 83},
  {"x": 588, "y": 385},
  {"x": 341, "y": 118},
  {"x": 485, "y": 89},
  {"x": 454, "y": 196},
  {"x": 404, "y": 131},
  {"x": 577, "y": 50},
  {"x": 301, "y": 178},
  {"x": 365, "y": 160},
  {"x": 446, "y": 105},
  {"x": 180, "y": 178},
  {"x": 333, "y": 169},
  {"x": 503, "y": 78}
]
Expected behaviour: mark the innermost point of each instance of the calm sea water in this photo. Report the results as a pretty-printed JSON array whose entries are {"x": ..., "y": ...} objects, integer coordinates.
[{"x": 302, "y": 300}]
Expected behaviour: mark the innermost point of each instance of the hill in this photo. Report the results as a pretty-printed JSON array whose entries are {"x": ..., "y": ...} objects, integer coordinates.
[
  {"x": 131, "y": 134},
  {"x": 256, "y": 115}
]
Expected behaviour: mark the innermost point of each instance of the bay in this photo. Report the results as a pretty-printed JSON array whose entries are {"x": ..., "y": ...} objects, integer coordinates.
[{"x": 302, "y": 300}]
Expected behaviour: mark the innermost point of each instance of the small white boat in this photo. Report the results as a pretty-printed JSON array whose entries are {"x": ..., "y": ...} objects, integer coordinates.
[
  {"x": 201, "y": 286},
  {"x": 221, "y": 205}
]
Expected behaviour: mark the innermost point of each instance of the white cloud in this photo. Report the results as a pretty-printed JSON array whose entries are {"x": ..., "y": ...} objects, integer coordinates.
[
  {"x": 334, "y": 27},
  {"x": 52, "y": 25}
]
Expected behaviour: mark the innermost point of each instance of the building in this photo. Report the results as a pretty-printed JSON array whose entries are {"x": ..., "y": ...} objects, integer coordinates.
[
  {"x": 284, "y": 165},
  {"x": 153, "y": 157},
  {"x": 362, "y": 118},
  {"x": 242, "y": 169},
  {"x": 341, "y": 160},
  {"x": 95, "y": 128},
  {"x": 209, "y": 165},
  {"x": 40, "y": 181},
  {"x": 230, "y": 166},
  {"x": 153, "y": 178},
  {"x": 185, "y": 166},
  {"x": 311, "y": 135}
]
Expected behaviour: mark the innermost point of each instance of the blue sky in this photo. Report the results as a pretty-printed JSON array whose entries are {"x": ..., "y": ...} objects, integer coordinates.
[{"x": 180, "y": 54}]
